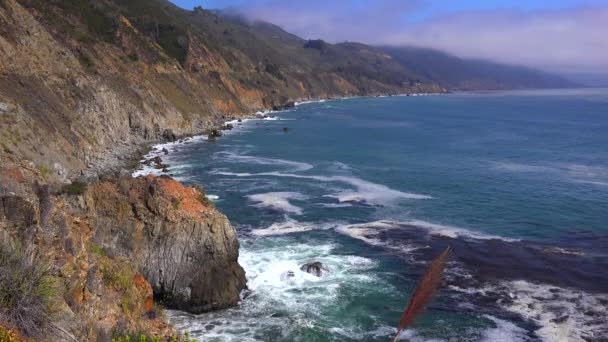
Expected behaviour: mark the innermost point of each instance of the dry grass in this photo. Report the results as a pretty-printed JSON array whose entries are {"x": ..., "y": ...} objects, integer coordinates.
[{"x": 27, "y": 292}]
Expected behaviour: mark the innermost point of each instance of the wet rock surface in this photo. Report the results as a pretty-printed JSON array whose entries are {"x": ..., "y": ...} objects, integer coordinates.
[{"x": 315, "y": 268}]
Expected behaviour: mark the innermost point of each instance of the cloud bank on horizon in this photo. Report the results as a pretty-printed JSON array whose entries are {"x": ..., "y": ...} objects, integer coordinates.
[{"x": 567, "y": 36}]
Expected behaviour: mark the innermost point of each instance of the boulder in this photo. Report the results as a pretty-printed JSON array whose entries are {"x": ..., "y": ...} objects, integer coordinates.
[
  {"x": 183, "y": 247},
  {"x": 168, "y": 135},
  {"x": 284, "y": 106},
  {"x": 315, "y": 268}
]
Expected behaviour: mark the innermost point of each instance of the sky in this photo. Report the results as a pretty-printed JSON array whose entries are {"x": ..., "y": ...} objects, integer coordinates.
[{"x": 565, "y": 36}]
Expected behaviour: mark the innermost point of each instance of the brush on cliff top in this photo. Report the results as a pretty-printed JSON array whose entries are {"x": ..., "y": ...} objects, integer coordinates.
[{"x": 424, "y": 291}]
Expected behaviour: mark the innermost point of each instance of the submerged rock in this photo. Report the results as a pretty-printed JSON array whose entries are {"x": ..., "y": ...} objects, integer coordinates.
[
  {"x": 315, "y": 268},
  {"x": 287, "y": 275}
]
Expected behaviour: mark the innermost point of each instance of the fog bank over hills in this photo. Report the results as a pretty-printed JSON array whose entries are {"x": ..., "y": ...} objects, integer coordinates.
[{"x": 564, "y": 37}]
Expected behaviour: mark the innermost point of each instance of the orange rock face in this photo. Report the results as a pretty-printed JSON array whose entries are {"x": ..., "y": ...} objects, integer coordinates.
[{"x": 144, "y": 287}]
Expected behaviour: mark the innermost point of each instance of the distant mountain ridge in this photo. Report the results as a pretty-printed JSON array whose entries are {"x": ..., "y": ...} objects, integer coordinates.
[
  {"x": 424, "y": 65},
  {"x": 473, "y": 74}
]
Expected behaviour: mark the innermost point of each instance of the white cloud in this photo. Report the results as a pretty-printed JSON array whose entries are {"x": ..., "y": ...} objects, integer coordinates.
[
  {"x": 566, "y": 40},
  {"x": 561, "y": 40}
]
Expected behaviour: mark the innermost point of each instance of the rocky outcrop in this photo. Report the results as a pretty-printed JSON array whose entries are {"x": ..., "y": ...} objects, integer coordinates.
[
  {"x": 183, "y": 246},
  {"x": 113, "y": 248},
  {"x": 315, "y": 268},
  {"x": 93, "y": 294}
]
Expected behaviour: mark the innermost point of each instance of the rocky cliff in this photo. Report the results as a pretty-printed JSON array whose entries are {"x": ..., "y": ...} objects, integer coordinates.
[
  {"x": 84, "y": 83},
  {"x": 88, "y": 263},
  {"x": 85, "y": 86},
  {"x": 183, "y": 246}
]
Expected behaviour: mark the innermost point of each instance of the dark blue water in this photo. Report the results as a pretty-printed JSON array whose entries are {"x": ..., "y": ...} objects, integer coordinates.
[{"x": 515, "y": 182}]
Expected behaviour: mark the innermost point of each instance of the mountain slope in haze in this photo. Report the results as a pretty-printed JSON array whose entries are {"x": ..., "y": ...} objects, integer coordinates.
[
  {"x": 472, "y": 74},
  {"x": 408, "y": 65}
]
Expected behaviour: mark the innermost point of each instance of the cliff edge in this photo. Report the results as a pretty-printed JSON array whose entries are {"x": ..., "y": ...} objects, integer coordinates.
[{"x": 88, "y": 262}]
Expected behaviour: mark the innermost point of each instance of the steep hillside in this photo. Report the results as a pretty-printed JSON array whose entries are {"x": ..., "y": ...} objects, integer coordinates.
[
  {"x": 83, "y": 79},
  {"x": 471, "y": 74},
  {"x": 85, "y": 82},
  {"x": 402, "y": 66}
]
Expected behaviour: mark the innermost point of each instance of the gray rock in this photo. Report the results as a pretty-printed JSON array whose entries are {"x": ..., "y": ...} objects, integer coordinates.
[
  {"x": 190, "y": 259},
  {"x": 315, "y": 268}
]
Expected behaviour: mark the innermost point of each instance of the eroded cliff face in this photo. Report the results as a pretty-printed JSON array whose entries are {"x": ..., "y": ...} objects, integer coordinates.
[
  {"x": 183, "y": 246},
  {"x": 111, "y": 249},
  {"x": 83, "y": 84},
  {"x": 67, "y": 104}
]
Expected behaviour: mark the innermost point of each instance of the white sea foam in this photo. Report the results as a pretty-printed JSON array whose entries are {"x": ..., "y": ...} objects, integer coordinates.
[
  {"x": 592, "y": 182},
  {"x": 145, "y": 170},
  {"x": 335, "y": 205},
  {"x": 364, "y": 192},
  {"x": 159, "y": 151},
  {"x": 283, "y": 228},
  {"x": 309, "y": 101},
  {"x": 579, "y": 173},
  {"x": 368, "y": 232},
  {"x": 563, "y": 315},
  {"x": 283, "y": 298},
  {"x": 293, "y": 166},
  {"x": 503, "y": 332},
  {"x": 291, "y": 226},
  {"x": 368, "y": 192},
  {"x": 454, "y": 232},
  {"x": 279, "y": 201},
  {"x": 517, "y": 167}
]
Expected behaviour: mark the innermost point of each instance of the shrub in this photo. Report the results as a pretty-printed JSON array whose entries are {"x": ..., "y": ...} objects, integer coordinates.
[
  {"x": 201, "y": 197},
  {"x": 27, "y": 291},
  {"x": 117, "y": 274},
  {"x": 45, "y": 171},
  {"x": 175, "y": 203},
  {"x": 9, "y": 335},
  {"x": 95, "y": 249},
  {"x": 6, "y": 148},
  {"x": 76, "y": 188}
]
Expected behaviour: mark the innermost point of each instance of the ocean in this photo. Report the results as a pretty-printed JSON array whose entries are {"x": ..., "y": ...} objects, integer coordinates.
[{"x": 374, "y": 188}]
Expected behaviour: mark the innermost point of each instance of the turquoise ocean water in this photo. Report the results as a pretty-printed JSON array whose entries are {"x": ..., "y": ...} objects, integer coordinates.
[{"x": 374, "y": 188}]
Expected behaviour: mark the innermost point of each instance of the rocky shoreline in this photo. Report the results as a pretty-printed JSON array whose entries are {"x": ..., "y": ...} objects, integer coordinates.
[{"x": 117, "y": 246}]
